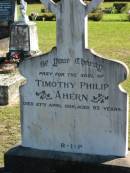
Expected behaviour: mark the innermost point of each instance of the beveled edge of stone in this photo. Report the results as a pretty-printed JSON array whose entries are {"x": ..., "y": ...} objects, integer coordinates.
[{"x": 21, "y": 151}]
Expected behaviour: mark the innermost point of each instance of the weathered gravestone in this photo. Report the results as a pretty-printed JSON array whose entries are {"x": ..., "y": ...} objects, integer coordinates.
[
  {"x": 7, "y": 16},
  {"x": 7, "y": 10},
  {"x": 73, "y": 108},
  {"x": 10, "y": 80},
  {"x": 23, "y": 35}
]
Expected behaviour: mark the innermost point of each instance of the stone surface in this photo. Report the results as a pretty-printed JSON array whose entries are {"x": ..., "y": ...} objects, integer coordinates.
[
  {"x": 7, "y": 10},
  {"x": 74, "y": 104},
  {"x": 7, "y": 16},
  {"x": 7, "y": 68},
  {"x": 9, "y": 88},
  {"x": 27, "y": 160},
  {"x": 23, "y": 11},
  {"x": 4, "y": 46},
  {"x": 73, "y": 101},
  {"x": 23, "y": 36}
]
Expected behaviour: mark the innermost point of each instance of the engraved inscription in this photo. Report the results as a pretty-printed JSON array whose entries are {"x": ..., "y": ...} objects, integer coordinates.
[
  {"x": 6, "y": 10},
  {"x": 78, "y": 93},
  {"x": 71, "y": 146}
]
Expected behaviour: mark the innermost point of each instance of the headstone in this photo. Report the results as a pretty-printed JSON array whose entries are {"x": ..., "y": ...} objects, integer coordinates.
[
  {"x": 76, "y": 104},
  {"x": 7, "y": 10},
  {"x": 73, "y": 108},
  {"x": 7, "y": 16},
  {"x": 23, "y": 33},
  {"x": 22, "y": 37}
]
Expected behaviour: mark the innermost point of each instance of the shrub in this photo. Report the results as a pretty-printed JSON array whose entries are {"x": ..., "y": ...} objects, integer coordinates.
[
  {"x": 108, "y": 10},
  {"x": 43, "y": 10},
  {"x": 40, "y": 18},
  {"x": 129, "y": 17},
  {"x": 97, "y": 16},
  {"x": 44, "y": 17},
  {"x": 49, "y": 16},
  {"x": 97, "y": 10},
  {"x": 120, "y": 7},
  {"x": 33, "y": 16}
]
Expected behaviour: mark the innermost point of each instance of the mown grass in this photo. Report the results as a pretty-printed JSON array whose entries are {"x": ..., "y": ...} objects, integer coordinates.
[
  {"x": 34, "y": 8},
  {"x": 111, "y": 39},
  {"x": 9, "y": 129},
  {"x": 47, "y": 35},
  {"x": 110, "y": 4},
  {"x": 106, "y": 17},
  {"x": 115, "y": 17}
]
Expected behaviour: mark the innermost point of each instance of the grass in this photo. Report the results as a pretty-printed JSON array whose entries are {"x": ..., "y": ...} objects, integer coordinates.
[
  {"x": 108, "y": 38},
  {"x": 115, "y": 17},
  {"x": 34, "y": 8},
  {"x": 9, "y": 128},
  {"x": 111, "y": 39},
  {"x": 107, "y": 17},
  {"x": 47, "y": 35},
  {"x": 110, "y": 4}
]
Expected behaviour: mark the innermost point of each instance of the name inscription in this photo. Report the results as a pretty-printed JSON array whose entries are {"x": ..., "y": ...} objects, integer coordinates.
[{"x": 72, "y": 90}]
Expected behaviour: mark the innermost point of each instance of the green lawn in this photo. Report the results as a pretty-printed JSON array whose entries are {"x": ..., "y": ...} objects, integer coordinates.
[
  {"x": 115, "y": 17},
  {"x": 9, "y": 129},
  {"x": 110, "y": 4},
  {"x": 107, "y": 17},
  {"x": 111, "y": 39}
]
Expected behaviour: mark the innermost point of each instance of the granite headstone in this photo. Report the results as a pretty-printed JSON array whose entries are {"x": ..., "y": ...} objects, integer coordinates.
[
  {"x": 23, "y": 36},
  {"x": 7, "y": 10},
  {"x": 7, "y": 16}
]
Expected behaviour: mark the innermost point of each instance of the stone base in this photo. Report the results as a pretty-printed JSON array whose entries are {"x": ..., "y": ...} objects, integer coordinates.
[
  {"x": 9, "y": 88},
  {"x": 26, "y": 160}
]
